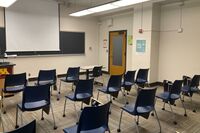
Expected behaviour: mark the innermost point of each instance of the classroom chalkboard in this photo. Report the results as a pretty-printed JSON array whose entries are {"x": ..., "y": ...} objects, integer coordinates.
[
  {"x": 70, "y": 43},
  {"x": 2, "y": 41}
]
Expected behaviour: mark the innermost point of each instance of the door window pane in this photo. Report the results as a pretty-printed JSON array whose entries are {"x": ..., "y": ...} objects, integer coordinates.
[{"x": 117, "y": 50}]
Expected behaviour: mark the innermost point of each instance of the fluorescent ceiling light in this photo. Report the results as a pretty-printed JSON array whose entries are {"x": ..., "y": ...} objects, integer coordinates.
[
  {"x": 106, "y": 7},
  {"x": 6, "y": 3},
  {"x": 81, "y": 13},
  {"x": 122, "y": 3}
]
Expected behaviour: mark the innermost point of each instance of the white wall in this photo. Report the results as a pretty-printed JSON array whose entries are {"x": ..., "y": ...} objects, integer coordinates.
[
  {"x": 142, "y": 60},
  {"x": 123, "y": 21},
  {"x": 179, "y": 53},
  {"x": 33, "y": 64}
]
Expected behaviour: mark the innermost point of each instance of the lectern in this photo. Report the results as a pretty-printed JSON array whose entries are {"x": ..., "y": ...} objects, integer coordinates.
[{"x": 5, "y": 68}]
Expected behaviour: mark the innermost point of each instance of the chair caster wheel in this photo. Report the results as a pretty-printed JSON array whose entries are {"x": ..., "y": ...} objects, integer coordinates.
[
  {"x": 163, "y": 108},
  {"x": 185, "y": 115},
  {"x": 127, "y": 93},
  {"x": 127, "y": 102},
  {"x": 174, "y": 104},
  {"x": 194, "y": 111},
  {"x": 16, "y": 126},
  {"x": 63, "y": 115},
  {"x": 109, "y": 112},
  {"x": 58, "y": 92},
  {"x": 152, "y": 114},
  {"x": 81, "y": 109},
  {"x": 137, "y": 123},
  {"x": 42, "y": 118},
  {"x": 77, "y": 123},
  {"x": 4, "y": 112},
  {"x": 58, "y": 99},
  {"x": 118, "y": 130},
  {"x": 55, "y": 127},
  {"x": 113, "y": 98},
  {"x": 175, "y": 123}
]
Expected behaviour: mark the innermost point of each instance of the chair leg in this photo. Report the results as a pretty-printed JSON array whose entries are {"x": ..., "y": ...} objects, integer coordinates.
[
  {"x": 16, "y": 124},
  {"x": 173, "y": 114},
  {"x": 185, "y": 114},
  {"x": 120, "y": 120},
  {"x": 138, "y": 118},
  {"x": 51, "y": 90},
  {"x": 58, "y": 97},
  {"x": 194, "y": 110},
  {"x": 163, "y": 108},
  {"x": 64, "y": 107},
  {"x": 54, "y": 122},
  {"x": 136, "y": 124},
  {"x": 77, "y": 115},
  {"x": 125, "y": 97},
  {"x": 42, "y": 118},
  {"x": 157, "y": 120},
  {"x": 81, "y": 105},
  {"x": 3, "y": 104},
  {"x": 98, "y": 95},
  {"x": 72, "y": 86}
]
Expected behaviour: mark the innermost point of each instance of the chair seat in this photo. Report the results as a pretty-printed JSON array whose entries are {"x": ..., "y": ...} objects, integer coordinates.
[
  {"x": 73, "y": 129},
  {"x": 109, "y": 90},
  {"x": 14, "y": 89},
  {"x": 165, "y": 96},
  {"x": 79, "y": 97},
  {"x": 187, "y": 89},
  {"x": 69, "y": 79},
  {"x": 130, "y": 108},
  {"x": 45, "y": 82},
  {"x": 124, "y": 84},
  {"x": 140, "y": 81},
  {"x": 31, "y": 106}
]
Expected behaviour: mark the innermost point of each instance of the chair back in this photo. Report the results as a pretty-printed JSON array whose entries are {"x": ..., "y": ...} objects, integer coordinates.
[
  {"x": 142, "y": 74},
  {"x": 73, "y": 72},
  {"x": 195, "y": 81},
  {"x": 84, "y": 86},
  {"x": 29, "y": 128},
  {"x": 15, "y": 79},
  {"x": 129, "y": 76},
  {"x": 166, "y": 85},
  {"x": 146, "y": 97},
  {"x": 176, "y": 87},
  {"x": 36, "y": 94},
  {"x": 115, "y": 82},
  {"x": 186, "y": 80},
  {"x": 97, "y": 71},
  {"x": 94, "y": 117},
  {"x": 45, "y": 75}
]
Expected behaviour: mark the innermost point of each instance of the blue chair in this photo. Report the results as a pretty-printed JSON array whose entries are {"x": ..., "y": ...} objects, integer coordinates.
[
  {"x": 36, "y": 98},
  {"x": 82, "y": 93},
  {"x": 72, "y": 76},
  {"x": 172, "y": 95},
  {"x": 129, "y": 80},
  {"x": 47, "y": 77},
  {"x": 144, "y": 105},
  {"x": 142, "y": 77},
  {"x": 14, "y": 83},
  {"x": 190, "y": 87},
  {"x": 29, "y": 128},
  {"x": 113, "y": 87},
  {"x": 96, "y": 72},
  {"x": 92, "y": 120}
]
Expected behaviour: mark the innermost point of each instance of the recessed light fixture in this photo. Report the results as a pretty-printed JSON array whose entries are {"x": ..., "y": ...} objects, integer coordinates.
[
  {"x": 6, "y": 3},
  {"x": 106, "y": 7}
]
